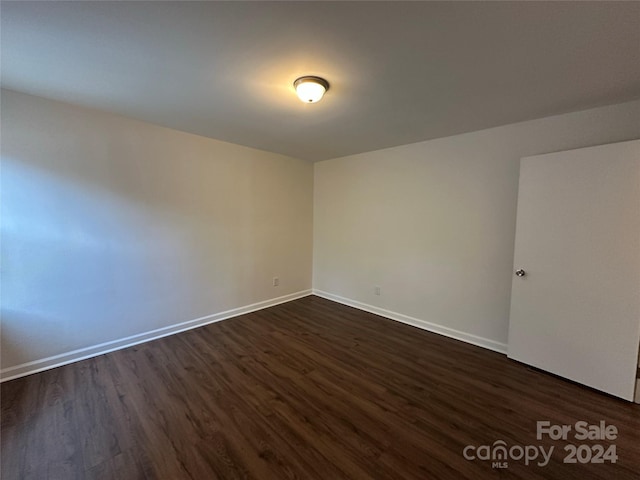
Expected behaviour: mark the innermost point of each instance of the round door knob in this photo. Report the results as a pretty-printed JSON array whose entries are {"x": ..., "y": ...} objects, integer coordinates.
[{"x": 520, "y": 272}]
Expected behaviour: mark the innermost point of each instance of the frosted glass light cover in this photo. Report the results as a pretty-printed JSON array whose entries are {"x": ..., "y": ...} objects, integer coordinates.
[{"x": 310, "y": 89}]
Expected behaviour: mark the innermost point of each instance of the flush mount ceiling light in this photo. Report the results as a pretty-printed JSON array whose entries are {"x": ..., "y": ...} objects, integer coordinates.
[{"x": 310, "y": 89}]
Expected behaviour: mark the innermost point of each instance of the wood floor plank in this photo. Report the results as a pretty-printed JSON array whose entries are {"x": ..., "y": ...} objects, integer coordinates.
[{"x": 305, "y": 390}]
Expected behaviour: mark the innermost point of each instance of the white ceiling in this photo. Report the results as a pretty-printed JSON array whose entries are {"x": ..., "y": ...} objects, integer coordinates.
[{"x": 400, "y": 72}]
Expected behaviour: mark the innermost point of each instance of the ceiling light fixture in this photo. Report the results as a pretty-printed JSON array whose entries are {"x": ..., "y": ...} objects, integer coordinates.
[{"x": 310, "y": 89}]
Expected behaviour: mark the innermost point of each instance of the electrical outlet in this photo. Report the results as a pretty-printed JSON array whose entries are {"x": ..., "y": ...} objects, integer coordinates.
[
  {"x": 276, "y": 281},
  {"x": 377, "y": 290}
]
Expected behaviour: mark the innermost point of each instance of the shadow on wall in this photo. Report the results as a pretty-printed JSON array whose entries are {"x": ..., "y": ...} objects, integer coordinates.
[
  {"x": 91, "y": 256},
  {"x": 11, "y": 351}
]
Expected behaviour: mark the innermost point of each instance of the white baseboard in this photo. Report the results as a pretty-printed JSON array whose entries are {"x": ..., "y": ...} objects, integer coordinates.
[
  {"x": 423, "y": 324},
  {"x": 83, "y": 353}
]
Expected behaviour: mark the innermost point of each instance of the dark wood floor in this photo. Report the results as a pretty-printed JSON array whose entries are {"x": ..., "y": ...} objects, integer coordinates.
[{"x": 311, "y": 390}]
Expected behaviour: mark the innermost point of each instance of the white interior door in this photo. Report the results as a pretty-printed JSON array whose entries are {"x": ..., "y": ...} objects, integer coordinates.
[{"x": 576, "y": 310}]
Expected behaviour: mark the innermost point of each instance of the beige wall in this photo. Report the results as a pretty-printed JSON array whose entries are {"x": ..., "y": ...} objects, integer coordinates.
[
  {"x": 433, "y": 223},
  {"x": 113, "y": 227}
]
